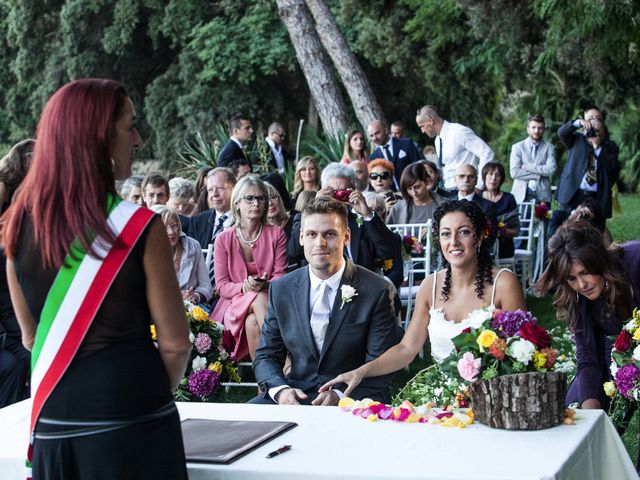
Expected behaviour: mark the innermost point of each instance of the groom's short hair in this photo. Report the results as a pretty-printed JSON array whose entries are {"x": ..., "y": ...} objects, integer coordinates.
[{"x": 326, "y": 207}]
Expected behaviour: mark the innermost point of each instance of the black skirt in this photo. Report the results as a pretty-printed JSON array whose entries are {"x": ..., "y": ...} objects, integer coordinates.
[{"x": 120, "y": 382}]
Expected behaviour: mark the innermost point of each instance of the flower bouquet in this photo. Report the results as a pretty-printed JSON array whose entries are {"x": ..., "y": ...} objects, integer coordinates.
[
  {"x": 210, "y": 362},
  {"x": 542, "y": 211},
  {"x": 509, "y": 353},
  {"x": 411, "y": 246},
  {"x": 625, "y": 369}
]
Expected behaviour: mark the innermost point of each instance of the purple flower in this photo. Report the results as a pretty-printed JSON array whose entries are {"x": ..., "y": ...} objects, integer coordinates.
[
  {"x": 507, "y": 322},
  {"x": 202, "y": 343},
  {"x": 203, "y": 383},
  {"x": 626, "y": 379}
]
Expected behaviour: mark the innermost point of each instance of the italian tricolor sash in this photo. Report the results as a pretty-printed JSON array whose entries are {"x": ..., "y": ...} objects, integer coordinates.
[{"x": 74, "y": 299}]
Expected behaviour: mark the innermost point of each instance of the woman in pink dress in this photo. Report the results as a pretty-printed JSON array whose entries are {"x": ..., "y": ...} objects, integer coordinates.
[{"x": 248, "y": 256}]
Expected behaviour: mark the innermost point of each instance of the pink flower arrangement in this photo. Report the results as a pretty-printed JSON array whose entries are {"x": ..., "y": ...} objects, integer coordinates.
[{"x": 469, "y": 366}]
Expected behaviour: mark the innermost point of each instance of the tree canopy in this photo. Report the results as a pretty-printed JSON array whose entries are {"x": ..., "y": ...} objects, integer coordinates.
[{"x": 190, "y": 64}]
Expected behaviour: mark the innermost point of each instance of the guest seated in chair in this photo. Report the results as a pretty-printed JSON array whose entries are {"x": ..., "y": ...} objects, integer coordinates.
[
  {"x": 447, "y": 300},
  {"x": 248, "y": 256},
  {"x": 188, "y": 260},
  {"x": 493, "y": 176},
  {"x": 307, "y": 177},
  {"x": 381, "y": 180},
  {"x": 418, "y": 203},
  {"x": 330, "y": 317}
]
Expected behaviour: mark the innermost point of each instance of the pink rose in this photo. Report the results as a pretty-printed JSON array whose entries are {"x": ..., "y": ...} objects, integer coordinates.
[{"x": 469, "y": 367}]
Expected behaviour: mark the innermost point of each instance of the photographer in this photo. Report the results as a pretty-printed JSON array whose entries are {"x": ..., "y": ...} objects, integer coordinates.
[
  {"x": 370, "y": 239},
  {"x": 592, "y": 168}
]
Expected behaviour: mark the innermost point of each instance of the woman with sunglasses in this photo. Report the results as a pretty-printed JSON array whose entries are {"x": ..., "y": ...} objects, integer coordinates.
[
  {"x": 419, "y": 203},
  {"x": 248, "y": 256},
  {"x": 381, "y": 173}
]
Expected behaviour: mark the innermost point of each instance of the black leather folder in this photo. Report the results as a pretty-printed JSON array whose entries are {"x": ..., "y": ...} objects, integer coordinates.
[{"x": 224, "y": 441}]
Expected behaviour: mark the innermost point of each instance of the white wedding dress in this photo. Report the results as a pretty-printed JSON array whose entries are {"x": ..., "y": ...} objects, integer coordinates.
[{"x": 441, "y": 330}]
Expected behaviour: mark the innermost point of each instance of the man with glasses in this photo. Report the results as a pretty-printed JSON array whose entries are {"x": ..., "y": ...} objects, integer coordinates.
[
  {"x": 279, "y": 156},
  {"x": 205, "y": 226},
  {"x": 399, "y": 151}
]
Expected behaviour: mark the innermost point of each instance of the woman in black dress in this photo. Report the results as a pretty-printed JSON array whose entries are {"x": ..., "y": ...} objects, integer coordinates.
[{"x": 111, "y": 413}]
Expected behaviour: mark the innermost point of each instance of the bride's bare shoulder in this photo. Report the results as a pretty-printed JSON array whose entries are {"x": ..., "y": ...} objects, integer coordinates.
[{"x": 509, "y": 294}]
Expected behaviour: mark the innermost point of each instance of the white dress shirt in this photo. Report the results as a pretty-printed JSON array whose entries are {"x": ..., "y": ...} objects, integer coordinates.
[
  {"x": 315, "y": 287},
  {"x": 277, "y": 153},
  {"x": 460, "y": 145}
]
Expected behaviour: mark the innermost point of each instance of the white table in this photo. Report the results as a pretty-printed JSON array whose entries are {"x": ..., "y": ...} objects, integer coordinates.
[{"x": 329, "y": 443}]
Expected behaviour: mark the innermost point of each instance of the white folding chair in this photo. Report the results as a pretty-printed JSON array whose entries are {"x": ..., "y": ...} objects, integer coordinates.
[
  {"x": 523, "y": 255},
  {"x": 417, "y": 265}
]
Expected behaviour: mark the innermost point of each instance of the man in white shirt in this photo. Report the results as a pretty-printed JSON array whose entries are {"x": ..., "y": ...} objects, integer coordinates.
[
  {"x": 532, "y": 164},
  {"x": 455, "y": 145},
  {"x": 279, "y": 156},
  {"x": 330, "y": 317}
]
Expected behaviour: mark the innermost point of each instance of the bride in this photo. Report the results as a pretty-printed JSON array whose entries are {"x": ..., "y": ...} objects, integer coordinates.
[{"x": 450, "y": 300}]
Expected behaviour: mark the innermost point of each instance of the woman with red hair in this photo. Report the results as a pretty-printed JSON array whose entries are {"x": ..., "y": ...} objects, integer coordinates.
[{"x": 87, "y": 272}]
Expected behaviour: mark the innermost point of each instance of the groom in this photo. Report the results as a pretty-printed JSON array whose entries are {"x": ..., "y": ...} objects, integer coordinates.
[{"x": 330, "y": 316}]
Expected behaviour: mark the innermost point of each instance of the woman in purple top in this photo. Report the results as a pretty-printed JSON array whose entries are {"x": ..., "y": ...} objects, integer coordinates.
[{"x": 597, "y": 289}]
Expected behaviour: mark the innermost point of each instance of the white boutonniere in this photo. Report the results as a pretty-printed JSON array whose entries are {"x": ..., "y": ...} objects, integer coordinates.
[{"x": 347, "y": 292}]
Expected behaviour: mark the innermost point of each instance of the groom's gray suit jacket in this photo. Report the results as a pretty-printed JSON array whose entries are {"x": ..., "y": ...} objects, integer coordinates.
[{"x": 359, "y": 332}]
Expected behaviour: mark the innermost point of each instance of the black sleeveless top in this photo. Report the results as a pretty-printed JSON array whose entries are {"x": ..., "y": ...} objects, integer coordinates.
[{"x": 124, "y": 314}]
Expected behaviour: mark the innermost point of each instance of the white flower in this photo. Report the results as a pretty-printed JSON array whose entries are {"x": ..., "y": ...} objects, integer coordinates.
[
  {"x": 613, "y": 368},
  {"x": 636, "y": 394},
  {"x": 631, "y": 325},
  {"x": 347, "y": 292},
  {"x": 479, "y": 316},
  {"x": 636, "y": 353},
  {"x": 198, "y": 363},
  {"x": 522, "y": 350},
  {"x": 192, "y": 337}
]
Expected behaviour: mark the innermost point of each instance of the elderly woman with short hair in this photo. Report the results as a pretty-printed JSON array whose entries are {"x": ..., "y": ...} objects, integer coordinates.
[
  {"x": 248, "y": 256},
  {"x": 181, "y": 193},
  {"x": 188, "y": 261}
]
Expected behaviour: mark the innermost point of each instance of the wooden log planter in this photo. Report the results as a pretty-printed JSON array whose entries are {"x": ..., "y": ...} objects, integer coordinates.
[{"x": 523, "y": 401}]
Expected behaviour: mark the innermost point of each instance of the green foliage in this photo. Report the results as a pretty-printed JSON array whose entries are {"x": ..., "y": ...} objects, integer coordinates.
[{"x": 324, "y": 148}]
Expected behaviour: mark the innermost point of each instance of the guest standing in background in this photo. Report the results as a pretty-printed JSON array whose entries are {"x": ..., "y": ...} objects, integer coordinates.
[{"x": 355, "y": 148}]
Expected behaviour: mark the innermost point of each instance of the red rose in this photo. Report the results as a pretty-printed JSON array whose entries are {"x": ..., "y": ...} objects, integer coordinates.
[
  {"x": 466, "y": 330},
  {"x": 541, "y": 210},
  {"x": 535, "y": 334},
  {"x": 623, "y": 342}
]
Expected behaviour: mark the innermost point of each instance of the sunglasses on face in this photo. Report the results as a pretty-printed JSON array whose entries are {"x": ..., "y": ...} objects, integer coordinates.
[{"x": 383, "y": 176}]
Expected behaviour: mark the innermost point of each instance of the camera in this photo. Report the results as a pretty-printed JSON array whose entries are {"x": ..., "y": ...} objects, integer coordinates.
[
  {"x": 591, "y": 133},
  {"x": 342, "y": 195}
]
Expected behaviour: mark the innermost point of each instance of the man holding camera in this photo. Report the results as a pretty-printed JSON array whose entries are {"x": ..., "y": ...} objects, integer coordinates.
[
  {"x": 592, "y": 166},
  {"x": 370, "y": 239}
]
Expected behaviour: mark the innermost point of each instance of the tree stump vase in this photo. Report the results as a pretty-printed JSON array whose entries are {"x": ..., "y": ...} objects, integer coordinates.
[{"x": 523, "y": 401}]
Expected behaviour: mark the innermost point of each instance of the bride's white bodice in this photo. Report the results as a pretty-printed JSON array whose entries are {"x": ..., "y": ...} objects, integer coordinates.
[{"x": 441, "y": 330}]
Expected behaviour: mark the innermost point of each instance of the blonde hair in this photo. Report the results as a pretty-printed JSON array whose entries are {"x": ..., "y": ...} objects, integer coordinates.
[
  {"x": 304, "y": 162},
  {"x": 283, "y": 215},
  {"x": 244, "y": 184},
  {"x": 167, "y": 214}
]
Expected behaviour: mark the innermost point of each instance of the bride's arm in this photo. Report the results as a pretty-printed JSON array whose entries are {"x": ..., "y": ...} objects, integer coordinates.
[
  {"x": 509, "y": 295},
  {"x": 399, "y": 355}
]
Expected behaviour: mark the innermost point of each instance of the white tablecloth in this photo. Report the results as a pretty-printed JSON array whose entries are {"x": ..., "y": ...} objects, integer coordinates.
[{"x": 329, "y": 443}]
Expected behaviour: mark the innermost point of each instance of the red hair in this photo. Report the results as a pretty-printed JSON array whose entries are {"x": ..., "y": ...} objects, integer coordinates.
[{"x": 65, "y": 190}]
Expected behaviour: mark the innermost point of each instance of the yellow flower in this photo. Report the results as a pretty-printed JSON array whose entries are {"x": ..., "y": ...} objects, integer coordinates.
[
  {"x": 153, "y": 332},
  {"x": 346, "y": 402},
  {"x": 199, "y": 313},
  {"x": 215, "y": 367},
  {"x": 486, "y": 338},
  {"x": 387, "y": 264},
  {"x": 610, "y": 389},
  {"x": 539, "y": 360},
  {"x": 636, "y": 335}
]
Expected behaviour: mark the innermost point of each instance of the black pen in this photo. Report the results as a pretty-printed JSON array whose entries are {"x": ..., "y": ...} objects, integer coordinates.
[{"x": 277, "y": 452}]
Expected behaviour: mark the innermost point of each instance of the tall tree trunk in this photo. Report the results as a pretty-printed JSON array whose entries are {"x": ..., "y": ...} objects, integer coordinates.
[
  {"x": 315, "y": 65},
  {"x": 353, "y": 78}
]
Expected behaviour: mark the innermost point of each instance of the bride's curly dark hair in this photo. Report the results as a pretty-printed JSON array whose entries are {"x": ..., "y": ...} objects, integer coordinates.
[{"x": 479, "y": 222}]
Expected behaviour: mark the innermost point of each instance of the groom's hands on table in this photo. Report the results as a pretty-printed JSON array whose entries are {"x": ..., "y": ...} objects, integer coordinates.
[
  {"x": 290, "y": 396},
  {"x": 327, "y": 399}
]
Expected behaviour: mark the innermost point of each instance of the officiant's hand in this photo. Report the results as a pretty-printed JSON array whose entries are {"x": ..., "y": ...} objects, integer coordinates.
[
  {"x": 352, "y": 379},
  {"x": 327, "y": 399},
  {"x": 290, "y": 396}
]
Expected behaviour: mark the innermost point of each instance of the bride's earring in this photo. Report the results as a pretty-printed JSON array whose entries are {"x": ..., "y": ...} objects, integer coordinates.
[
  {"x": 577, "y": 297},
  {"x": 478, "y": 248},
  {"x": 113, "y": 165}
]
